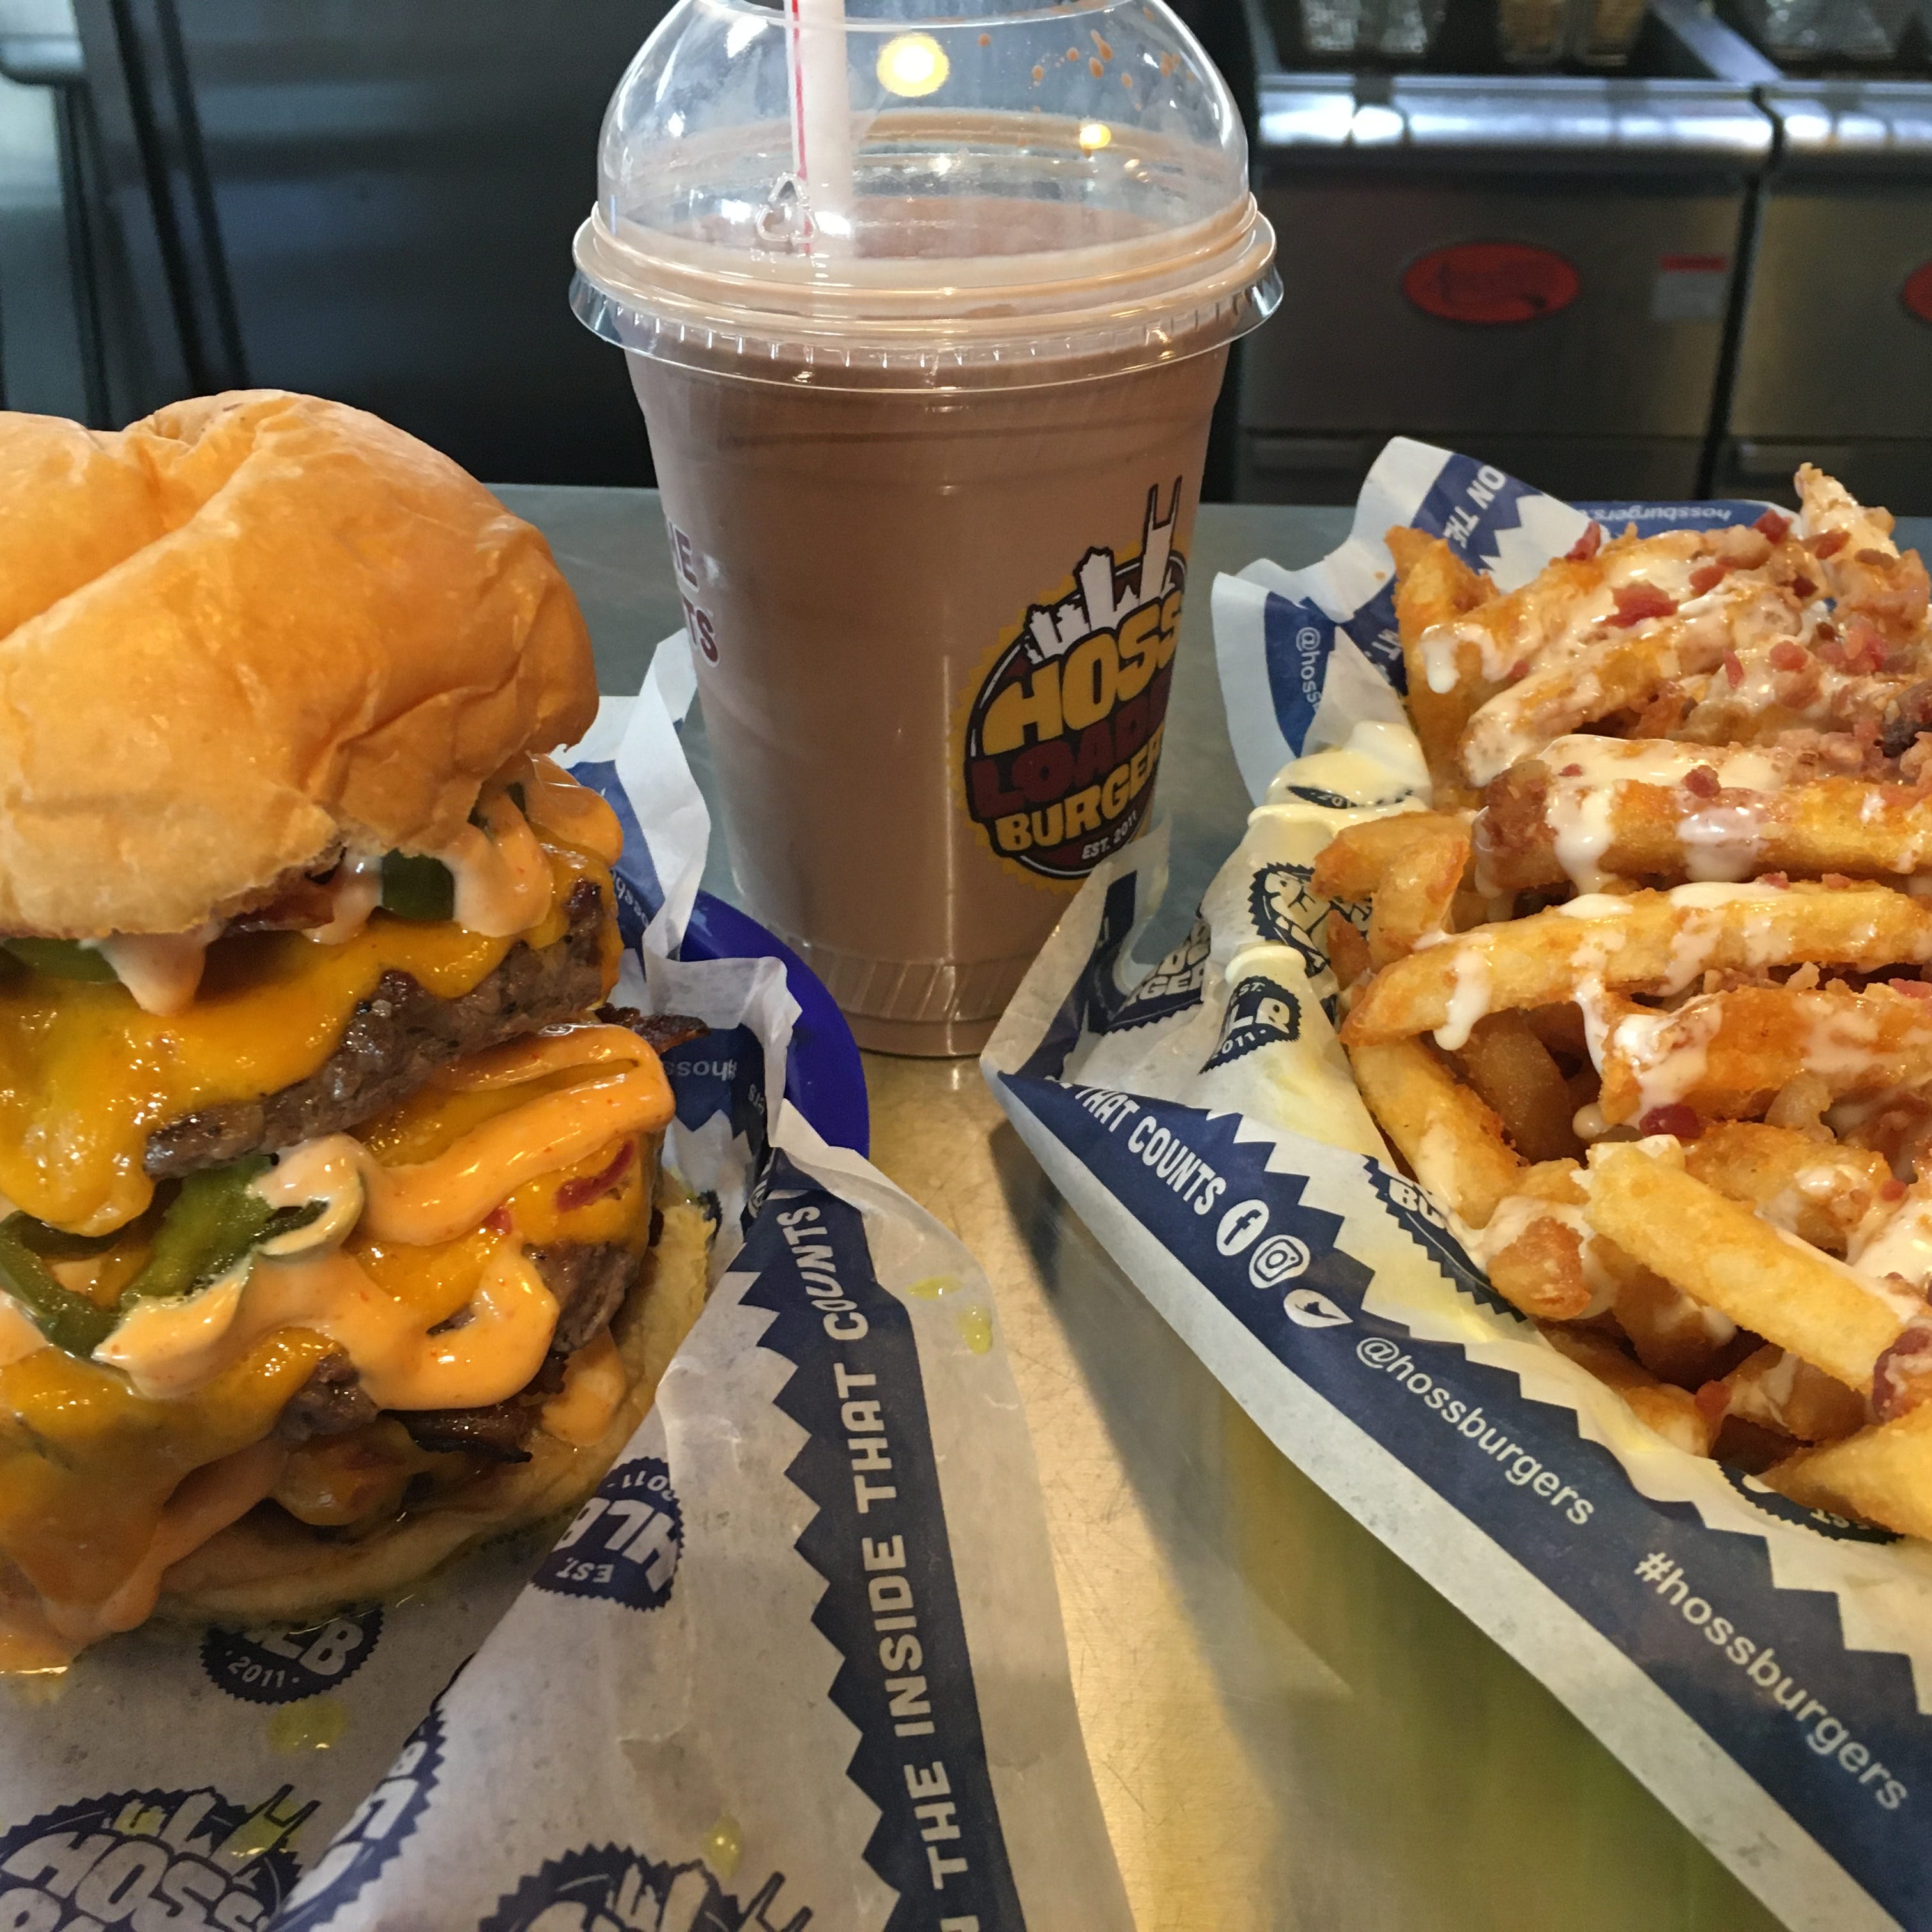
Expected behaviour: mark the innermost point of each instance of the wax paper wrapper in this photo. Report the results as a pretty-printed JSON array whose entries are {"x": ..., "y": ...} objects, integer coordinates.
[
  {"x": 1766, "y": 1669},
  {"x": 798, "y": 1661}
]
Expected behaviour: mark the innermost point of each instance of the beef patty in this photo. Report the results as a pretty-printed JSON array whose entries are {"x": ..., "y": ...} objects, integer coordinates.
[
  {"x": 589, "y": 1280},
  {"x": 395, "y": 1039}
]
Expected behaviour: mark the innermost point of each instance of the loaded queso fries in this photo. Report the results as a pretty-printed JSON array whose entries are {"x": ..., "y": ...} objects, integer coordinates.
[{"x": 1644, "y": 999}]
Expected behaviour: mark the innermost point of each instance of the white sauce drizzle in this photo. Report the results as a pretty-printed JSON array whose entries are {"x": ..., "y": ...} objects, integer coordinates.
[
  {"x": 161, "y": 969},
  {"x": 355, "y": 893},
  {"x": 1517, "y": 1214},
  {"x": 170, "y": 1349},
  {"x": 1667, "y": 1052},
  {"x": 1901, "y": 1244},
  {"x": 1469, "y": 999},
  {"x": 1722, "y": 840},
  {"x": 504, "y": 884}
]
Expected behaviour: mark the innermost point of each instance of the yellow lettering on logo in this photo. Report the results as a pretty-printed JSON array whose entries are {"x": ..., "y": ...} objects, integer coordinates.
[
  {"x": 1140, "y": 650},
  {"x": 1034, "y": 701},
  {"x": 1142, "y": 760},
  {"x": 1011, "y": 834},
  {"x": 1114, "y": 791},
  {"x": 1048, "y": 826},
  {"x": 1090, "y": 680},
  {"x": 1083, "y": 811}
]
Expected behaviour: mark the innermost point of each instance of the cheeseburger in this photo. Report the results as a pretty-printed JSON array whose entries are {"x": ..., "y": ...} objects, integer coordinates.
[{"x": 334, "y": 1236}]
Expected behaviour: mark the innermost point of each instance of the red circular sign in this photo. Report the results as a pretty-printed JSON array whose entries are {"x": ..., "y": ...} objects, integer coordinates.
[
  {"x": 1490, "y": 282},
  {"x": 1917, "y": 292}
]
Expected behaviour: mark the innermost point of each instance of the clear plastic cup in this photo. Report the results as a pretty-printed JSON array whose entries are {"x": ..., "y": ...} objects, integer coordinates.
[{"x": 927, "y": 369}]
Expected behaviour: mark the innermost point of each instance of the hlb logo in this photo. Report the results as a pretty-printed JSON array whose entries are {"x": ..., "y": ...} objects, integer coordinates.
[
  {"x": 189, "y": 1860},
  {"x": 1260, "y": 1011},
  {"x": 1064, "y": 738},
  {"x": 625, "y": 1542},
  {"x": 283, "y": 1667}
]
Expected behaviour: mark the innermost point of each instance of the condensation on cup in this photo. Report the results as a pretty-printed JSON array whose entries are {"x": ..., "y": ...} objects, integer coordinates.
[{"x": 927, "y": 320}]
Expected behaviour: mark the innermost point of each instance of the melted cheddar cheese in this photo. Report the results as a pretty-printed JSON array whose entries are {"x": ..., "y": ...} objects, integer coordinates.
[
  {"x": 86, "y": 1074},
  {"x": 87, "y": 1466},
  {"x": 90, "y": 1468}
]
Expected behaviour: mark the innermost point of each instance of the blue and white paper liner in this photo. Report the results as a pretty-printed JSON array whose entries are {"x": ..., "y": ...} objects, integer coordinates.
[
  {"x": 799, "y": 1661},
  {"x": 1766, "y": 1669}
]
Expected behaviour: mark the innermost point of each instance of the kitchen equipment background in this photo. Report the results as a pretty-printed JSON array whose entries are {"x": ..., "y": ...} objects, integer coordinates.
[
  {"x": 1520, "y": 234},
  {"x": 1834, "y": 336},
  {"x": 369, "y": 201}
]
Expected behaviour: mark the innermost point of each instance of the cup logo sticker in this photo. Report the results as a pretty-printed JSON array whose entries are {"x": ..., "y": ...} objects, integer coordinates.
[
  {"x": 1259, "y": 1010},
  {"x": 624, "y": 1543},
  {"x": 1063, "y": 739},
  {"x": 283, "y": 1667},
  {"x": 151, "y": 1857},
  {"x": 612, "y": 1889}
]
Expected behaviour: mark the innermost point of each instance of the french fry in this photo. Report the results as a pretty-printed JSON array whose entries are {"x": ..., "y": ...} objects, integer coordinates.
[
  {"x": 1674, "y": 1337},
  {"x": 1882, "y": 1474},
  {"x": 1741, "y": 1047},
  {"x": 1352, "y": 864},
  {"x": 1453, "y": 1143},
  {"x": 1673, "y": 1413},
  {"x": 1655, "y": 827},
  {"x": 1777, "y": 1391},
  {"x": 1748, "y": 1275},
  {"x": 1821, "y": 1193},
  {"x": 1800, "y": 1104},
  {"x": 1412, "y": 904},
  {"x": 1616, "y": 673},
  {"x": 1512, "y": 1069},
  {"x": 1348, "y": 950},
  {"x": 1655, "y": 942},
  {"x": 1721, "y": 1253},
  {"x": 1560, "y": 1180},
  {"x": 1560, "y": 1027},
  {"x": 1537, "y": 1263},
  {"x": 1435, "y": 586},
  {"x": 1865, "y": 572}
]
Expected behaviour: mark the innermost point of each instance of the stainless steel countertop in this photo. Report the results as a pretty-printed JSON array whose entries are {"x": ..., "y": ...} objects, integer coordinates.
[{"x": 1289, "y": 1730}]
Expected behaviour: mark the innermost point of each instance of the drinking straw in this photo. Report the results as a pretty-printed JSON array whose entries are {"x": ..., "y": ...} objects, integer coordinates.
[{"x": 821, "y": 119}]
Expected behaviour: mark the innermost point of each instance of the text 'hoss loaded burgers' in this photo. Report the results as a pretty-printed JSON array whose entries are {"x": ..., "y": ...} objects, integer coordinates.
[{"x": 335, "y": 1235}]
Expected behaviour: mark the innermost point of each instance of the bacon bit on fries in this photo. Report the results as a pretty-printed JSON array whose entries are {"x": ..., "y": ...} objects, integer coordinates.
[
  {"x": 1636, "y": 603},
  {"x": 1569, "y": 970}
]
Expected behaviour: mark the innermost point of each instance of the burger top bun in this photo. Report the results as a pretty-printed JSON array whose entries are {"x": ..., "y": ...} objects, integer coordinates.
[{"x": 244, "y": 634}]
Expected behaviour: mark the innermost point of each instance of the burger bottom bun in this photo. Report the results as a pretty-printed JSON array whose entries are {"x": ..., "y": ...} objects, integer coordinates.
[{"x": 269, "y": 1569}]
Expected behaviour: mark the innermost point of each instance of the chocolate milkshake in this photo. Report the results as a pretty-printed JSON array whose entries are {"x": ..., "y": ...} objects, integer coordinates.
[{"x": 930, "y": 468}]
